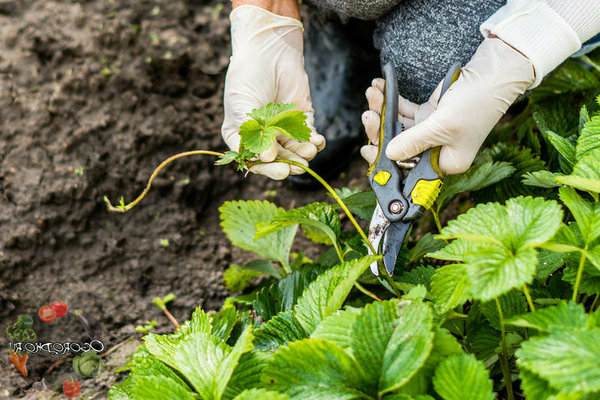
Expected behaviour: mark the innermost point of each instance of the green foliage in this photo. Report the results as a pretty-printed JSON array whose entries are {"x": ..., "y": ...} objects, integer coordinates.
[
  {"x": 511, "y": 301},
  {"x": 497, "y": 243},
  {"x": 522, "y": 160},
  {"x": 258, "y": 133},
  {"x": 238, "y": 277},
  {"x": 320, "y": 221},
  {"x": 475, "y": 178},
  {"x": 462, "y": 377},
  {"x": 359, "y": 203},
  {"x": 239, "y": 220},
  {"x": 327, "y": 293}
]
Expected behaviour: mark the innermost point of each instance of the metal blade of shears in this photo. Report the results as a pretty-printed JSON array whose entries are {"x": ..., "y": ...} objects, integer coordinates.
[
  {"x": 377, "y": 228},
  {"x": 392, "y": 243}
]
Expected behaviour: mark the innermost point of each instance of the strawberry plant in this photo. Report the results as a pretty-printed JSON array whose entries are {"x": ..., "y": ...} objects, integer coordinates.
[{"x": 501, "y": 302}]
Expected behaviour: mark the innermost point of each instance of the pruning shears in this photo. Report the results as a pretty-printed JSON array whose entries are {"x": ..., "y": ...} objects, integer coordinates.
[{"x": 404, "y": 191}]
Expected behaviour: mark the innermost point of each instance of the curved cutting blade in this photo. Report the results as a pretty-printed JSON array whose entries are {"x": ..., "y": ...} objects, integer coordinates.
[
  {"x": 392, "y": 243},
  {"x": 377, "y": 228}
]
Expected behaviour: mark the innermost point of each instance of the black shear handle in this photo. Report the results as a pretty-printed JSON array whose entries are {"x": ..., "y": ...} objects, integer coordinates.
[{"x": 385, "y": 178}]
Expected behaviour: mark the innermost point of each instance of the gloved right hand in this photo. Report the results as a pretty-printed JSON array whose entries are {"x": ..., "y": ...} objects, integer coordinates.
[
  {"x": 267, "y": 65},
  {"x": 496, "y": 75}
]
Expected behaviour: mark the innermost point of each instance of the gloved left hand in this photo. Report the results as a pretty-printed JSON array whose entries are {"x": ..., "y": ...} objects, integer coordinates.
[
  {"x": 496, "y": 75},
  {"x": 267, "y": 65}
]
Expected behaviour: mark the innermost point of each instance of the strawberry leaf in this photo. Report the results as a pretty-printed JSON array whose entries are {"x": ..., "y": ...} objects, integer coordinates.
[
  {"x": 497, "y": 243},
  {"x": 239, "y": 219},
  {"x": 258, "y": 133},
  {"x": 256, "y": 138},
  {"x": 569, "y": 359},
  {"x": 315, "y": 216},
  {"x": 391, "y": 340},
  {"x": 312, "y": 369},
  {"x": 328, "y": 292},
  {"x": 461, "y": 371}
]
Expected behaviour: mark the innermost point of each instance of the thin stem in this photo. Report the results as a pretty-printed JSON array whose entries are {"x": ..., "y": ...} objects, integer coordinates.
[
  {"x": 579, "y": 275},
  {"x": 595, "y": 303},
  {"x": 129, "y": 206},
  {"x": 333, "y": 194},
  {"x": 528, "y": 296},
  {"x": 367, "y": 292},
  {"x": 589, "y": 61},
  {"x": 458, "y": 315},
  {"x": 171, "y": 317},
  {"x": 336, "y": 246},
  {"x": 505, "y": 367},
  {"x": 436, "y": 218}
]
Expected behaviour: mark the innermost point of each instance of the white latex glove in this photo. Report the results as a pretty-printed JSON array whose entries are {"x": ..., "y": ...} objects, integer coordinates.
[
  {"x": 267, "y": 65},
  {"x": 496, "y": 75}
]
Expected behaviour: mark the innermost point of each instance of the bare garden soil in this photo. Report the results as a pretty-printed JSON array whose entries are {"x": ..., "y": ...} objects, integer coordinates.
[{"x": 93, "y": 96}]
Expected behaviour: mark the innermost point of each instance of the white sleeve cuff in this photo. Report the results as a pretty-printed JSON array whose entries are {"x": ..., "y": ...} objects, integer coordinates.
[{"x": 537, "y": 31}]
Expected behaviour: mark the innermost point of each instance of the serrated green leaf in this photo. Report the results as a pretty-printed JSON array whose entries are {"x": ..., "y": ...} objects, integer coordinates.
[
  {"x": 256, "y": 138},
  {"x": 497, "y": 242},
  {"x": 391, "y": 340},
  {"x": 420, "y": 275},
  {"x": 589, "y": 139},
  {"x": 578, "y": 182},
  {"x": 278, "y": 331},
  {"x": 534, "y": 386},
  {"x": 590, "y": 278},
  {"x": 258, "y": 134},
  {"x": 210, "y": 377},
  {"x": 584, "y": 116},
  {"x": 556, "y": 103},
  {"x": 293, "y": 125},
  {"x": 269, "y": 113},
  {"x": 328, "y": 292},
  {"x": 158, "y": 388},
  {"x": 262, "y": 394},
  {"x": 245, "y": 373},
  {"x": 481, "y": 339},
  {"x": 238, "y": 277},
  {"x": 588, "y": 167},
  {"x": 427, "y": 244},
  {"x": 359, "y": 203},
  {"x": 224, "y": 321},
  {"x": 563, "y": 315},
  {"x": 512, "y": 303},
  {"x": 586, "y": 214},
  {"x": 548, "y": 262},
  {"x": 543, "y": 179},
  {"x": 283, "y": 295},
  {"x": 227, "y": 157},
  {"x": 563, "y": 146},
  {"x": 444, "y": 345},
  {"x": 475, "y": 178},
  {"x": 459, "y": 372},
  {"x": 322, "y": 216},
  {"x": 568, "y": 359},
  {"x": 337, "y": 328},
  {"x": 147, "y": 366},
  {"x": 416, "y": 294},
  {"x": 314, "y": 369},
  {"x": 523, "y": 161},
  {"x": 239, "y": 219},
  {"x": 450, "y": 287}
]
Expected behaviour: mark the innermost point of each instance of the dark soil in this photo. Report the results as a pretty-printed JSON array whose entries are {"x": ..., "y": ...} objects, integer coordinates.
[{"x": 93, "y": 96}]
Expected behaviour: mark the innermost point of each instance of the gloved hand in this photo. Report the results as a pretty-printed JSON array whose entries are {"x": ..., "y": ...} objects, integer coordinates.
[
  {"x": 266, "y": 66},
  {"x": 496, "y": 75}
]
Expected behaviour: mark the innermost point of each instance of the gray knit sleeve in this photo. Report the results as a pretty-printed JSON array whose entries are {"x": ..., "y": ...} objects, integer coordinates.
[{"x": 361, "y": 9}]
